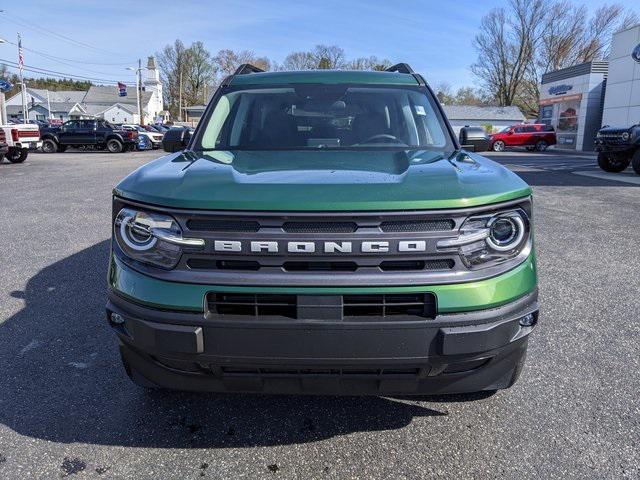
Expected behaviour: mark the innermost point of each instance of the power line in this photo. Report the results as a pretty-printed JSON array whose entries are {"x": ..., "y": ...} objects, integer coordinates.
[
  {"x": 43, "y": 71},
  {"x": 62, "y": 59},
  {"x": 29, "y": 25}
]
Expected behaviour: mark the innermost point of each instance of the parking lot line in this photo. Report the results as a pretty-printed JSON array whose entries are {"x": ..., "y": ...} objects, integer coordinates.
[{"x": 615, "y": 177}]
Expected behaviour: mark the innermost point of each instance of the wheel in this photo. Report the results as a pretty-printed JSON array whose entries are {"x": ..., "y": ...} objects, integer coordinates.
[
  {"x": 49, "y": 146},
  {"x": 17, "y": 155},
  {"x": 114, "y": 146},
  {"x": 610, "y": 162},
  {"x": 635, "y": 162},
  {"x": 541, "y": 145},
  {"x": 498, "y": 146}
]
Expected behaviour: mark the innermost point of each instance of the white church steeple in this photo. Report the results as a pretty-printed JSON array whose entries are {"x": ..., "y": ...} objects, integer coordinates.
[{"x": 152, "y": 84}]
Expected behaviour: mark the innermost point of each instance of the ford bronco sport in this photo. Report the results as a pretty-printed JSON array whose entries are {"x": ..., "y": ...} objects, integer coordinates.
[{"x": 322, "y": 232}]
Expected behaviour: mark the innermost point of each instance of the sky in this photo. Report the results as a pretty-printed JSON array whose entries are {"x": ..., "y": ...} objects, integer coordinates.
[{"x": 99, "y": 39}]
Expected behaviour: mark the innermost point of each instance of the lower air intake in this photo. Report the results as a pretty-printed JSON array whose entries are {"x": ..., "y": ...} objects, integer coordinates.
[{"x": 369, "y": 307}]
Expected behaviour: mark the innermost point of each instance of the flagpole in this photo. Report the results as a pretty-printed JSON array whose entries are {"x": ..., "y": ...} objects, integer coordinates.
[{"x": 25, "y": 113}]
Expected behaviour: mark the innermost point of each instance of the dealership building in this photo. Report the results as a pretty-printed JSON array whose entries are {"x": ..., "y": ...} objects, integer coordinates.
[{"x": 578, "y": 100}]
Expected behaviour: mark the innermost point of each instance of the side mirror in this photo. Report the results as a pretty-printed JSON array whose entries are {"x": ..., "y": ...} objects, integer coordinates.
[{"x": 176, "y": 139}]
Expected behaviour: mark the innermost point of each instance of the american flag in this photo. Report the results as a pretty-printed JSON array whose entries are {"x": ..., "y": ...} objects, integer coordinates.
[{"x": 20, "y": 55}]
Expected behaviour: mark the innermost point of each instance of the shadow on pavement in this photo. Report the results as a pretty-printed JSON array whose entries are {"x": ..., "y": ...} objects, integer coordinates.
[{"x": 61, "y": 380}]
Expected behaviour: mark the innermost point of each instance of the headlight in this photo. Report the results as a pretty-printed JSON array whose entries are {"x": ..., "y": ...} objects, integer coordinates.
[
  {"x": 625, "y": 136},
  {"x": 151, "y": 238},
  {"x": 488, "y": 240}
]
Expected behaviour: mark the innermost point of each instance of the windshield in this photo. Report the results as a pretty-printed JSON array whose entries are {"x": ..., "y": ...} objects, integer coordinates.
[{"x": 307, "y": 116}]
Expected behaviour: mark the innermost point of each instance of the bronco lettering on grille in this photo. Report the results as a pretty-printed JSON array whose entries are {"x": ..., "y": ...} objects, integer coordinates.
[{"x": 311, "y": 247}]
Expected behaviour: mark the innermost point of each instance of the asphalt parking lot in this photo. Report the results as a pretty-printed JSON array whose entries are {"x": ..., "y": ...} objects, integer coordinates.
[{"x": 68, "y": 410}]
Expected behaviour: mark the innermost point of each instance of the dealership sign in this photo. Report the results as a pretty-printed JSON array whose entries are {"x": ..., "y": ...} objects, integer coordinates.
[
  {"x": 560, "y": 89},
  {"x": 636, "y": 53}
]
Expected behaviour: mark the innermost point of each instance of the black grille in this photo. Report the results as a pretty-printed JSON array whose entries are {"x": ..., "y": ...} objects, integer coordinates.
[
  {"x": 319, "y": 227},
  {"x": 320, "y": 266},
  {"x": 210, "y": 264},
  {"x": 323, "y": 307},
  {"x": 416, "y": 265},
  {"x": 252, "y": 305},
  {"x": 208, "y": 225},
  {"x": 418, "y": 225},
  {"x": 389, "y": 305}
]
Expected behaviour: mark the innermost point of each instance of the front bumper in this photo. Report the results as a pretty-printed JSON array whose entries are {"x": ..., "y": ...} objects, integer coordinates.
[{"x": 482, "y": 349}]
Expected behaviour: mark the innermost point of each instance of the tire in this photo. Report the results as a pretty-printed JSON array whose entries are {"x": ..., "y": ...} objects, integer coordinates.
[
  {"x": 50, "y": 146},
  {"x": 541, "y": 145},
  {"x": 498, "y": 146},
  {"x": 114, "y": 146},
  {"x": 17, "y": 155},
  {"x": 635, "y": 162},
  {"x": 610, "y": 162}
]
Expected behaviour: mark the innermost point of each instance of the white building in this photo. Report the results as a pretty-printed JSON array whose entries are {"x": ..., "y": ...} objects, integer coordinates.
[
  {"x": 98, "y": 102},
  {"x": 571, "y": 102},
  {"x": 622, "y": 98},
  {"x": 471, "y": 116}
]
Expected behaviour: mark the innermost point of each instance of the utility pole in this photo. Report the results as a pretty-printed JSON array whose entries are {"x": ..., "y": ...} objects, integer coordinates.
[
  {"x": 49, "y": 105},
  {"x": 180, "y": 94},
  {"x": 3, "y": 107},
  {"x": 25, "y": 111},
  {"x": 139, "y": 82}
]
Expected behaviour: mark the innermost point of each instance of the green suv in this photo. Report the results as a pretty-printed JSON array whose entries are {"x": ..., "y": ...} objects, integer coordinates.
[{"x": 322, "y": 232}]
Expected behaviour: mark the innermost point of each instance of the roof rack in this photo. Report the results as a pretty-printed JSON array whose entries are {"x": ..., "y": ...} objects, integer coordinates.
[
  {"x": 247, "y": 68},
  {"x": 400, "y": 68}
]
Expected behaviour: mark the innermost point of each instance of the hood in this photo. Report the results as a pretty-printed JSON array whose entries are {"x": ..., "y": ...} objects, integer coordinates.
[{"x": 321, "y": 180}]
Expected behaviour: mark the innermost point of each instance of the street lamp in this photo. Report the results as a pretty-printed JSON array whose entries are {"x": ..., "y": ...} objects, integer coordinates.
[
  {"x": 3, "y": 108},
  {"x": 138, "y": 83}
]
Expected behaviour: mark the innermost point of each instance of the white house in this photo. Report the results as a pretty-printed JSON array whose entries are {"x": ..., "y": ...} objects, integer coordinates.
[{"x": 98, "y": 102}]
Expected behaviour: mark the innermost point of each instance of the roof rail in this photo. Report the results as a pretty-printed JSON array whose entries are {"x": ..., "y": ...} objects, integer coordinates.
[
  {"x": 400, "y": 68},
  {"x": 247, "y": 68}
]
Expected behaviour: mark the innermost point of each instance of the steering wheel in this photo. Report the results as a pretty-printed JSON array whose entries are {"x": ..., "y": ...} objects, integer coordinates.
[{"x": 385, "y": 137}]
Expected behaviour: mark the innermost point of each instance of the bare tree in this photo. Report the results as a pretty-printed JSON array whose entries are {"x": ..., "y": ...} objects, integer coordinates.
[
  {"x": 329, "y": 57},
  {"x": 506, "y": 45},
  {"x": 518, "y": 44},
  {"x": 367, "y": 63},
  {"x": 444, "y": 92},
  {"x": 172, "y": 61},
  {"x": 299, "y": 61},
  {"x": 227, "y": 61},
  {"x": 198, "y": 75}
]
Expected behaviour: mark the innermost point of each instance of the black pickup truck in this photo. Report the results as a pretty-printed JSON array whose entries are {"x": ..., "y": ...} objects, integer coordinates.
[{"x": 97, "y": 134}]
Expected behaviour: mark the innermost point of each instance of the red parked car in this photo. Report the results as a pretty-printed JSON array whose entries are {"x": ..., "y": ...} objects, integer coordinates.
[{"x": 533, "y": 136}]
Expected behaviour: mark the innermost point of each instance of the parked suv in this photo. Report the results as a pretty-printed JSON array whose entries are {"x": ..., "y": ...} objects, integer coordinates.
[
  {"x": 617, "y": 147},
  {"x": 536, "y": 136},
  {"x": 97, "y": 134},
  {"x": 322, "y": 231}
]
